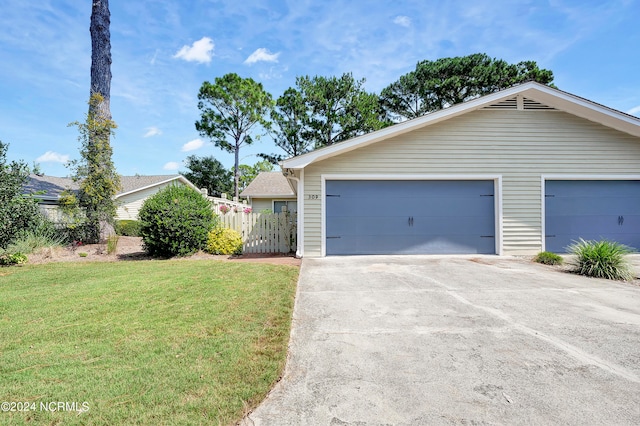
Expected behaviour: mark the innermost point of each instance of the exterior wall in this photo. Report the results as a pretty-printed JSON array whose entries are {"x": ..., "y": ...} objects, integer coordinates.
[
  {"x": 518, "y": 146},
  {"x": 129, "y": 205},
  {"x": 260, "y": 204}
]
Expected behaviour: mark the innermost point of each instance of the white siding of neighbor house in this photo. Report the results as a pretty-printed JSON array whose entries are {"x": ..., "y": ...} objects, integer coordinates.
[
  {"x": 520, "y": 146},
  {"x": 260, "y": 204},
  {"x": 129, "y": 205}
]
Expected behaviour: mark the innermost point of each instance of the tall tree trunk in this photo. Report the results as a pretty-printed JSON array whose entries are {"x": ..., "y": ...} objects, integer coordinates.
[{"x": 101, "y": 55}]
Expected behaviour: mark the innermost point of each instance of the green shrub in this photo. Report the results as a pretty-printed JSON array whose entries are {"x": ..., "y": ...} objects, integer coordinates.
[
  {"x": 128, "y": 228},
  {"x": 176, "y": 222},
  {"x": 601, "y": 259},
  {"x": 9, "y": 259},
  {"x": 17, "y": 212},
  {"x": 548, "y": 258},
  {"x": 224, "y": 241}
]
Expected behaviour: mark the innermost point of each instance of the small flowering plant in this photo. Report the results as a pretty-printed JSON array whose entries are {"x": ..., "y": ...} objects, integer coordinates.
[
  {"x": 247, "y": 210},
  {"x": 224, "y": 209}
]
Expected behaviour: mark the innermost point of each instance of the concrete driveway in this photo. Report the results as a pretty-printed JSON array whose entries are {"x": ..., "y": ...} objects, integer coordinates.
[{"x": 415, "y": 340}]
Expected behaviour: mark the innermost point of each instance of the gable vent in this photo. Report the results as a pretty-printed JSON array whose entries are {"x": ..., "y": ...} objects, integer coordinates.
[
  {"x": 531, "y": 104},
  {"x": 528, "y": 104}
]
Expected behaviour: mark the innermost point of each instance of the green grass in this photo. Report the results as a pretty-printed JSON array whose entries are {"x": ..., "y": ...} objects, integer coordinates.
[{"x": 149, "y": 342}]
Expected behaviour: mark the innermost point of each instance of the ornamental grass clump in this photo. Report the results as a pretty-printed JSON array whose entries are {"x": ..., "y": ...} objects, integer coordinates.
[
  {"x": 224, "y": 241},
  {"x": 602, "y": 259},
  {"x": 548, "y": 258}
]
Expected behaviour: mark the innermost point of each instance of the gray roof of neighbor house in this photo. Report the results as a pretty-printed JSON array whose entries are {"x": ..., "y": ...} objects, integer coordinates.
[
  {"x": 53, "y": 186},
  {"x": 269, "y": 185}
]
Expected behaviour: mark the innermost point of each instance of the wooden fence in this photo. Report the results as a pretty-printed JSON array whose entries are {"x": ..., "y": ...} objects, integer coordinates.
[{"x": 264, "y": 232}]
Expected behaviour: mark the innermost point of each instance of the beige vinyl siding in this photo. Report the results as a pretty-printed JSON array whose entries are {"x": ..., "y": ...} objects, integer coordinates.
[
  {"x": 518, "y": 145},
  {"x": 129, "y": 205},
  {"x": 260, "y": 204}
]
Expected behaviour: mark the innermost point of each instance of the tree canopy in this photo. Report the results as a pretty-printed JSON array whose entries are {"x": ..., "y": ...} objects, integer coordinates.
[
  {"x": 232, "y": 111},
  {"x": 17, "y": 212},
  {"x": 338, "y": 108},
  {"x": 209, "y": 173},
  {"x": 434, "y": 85},
  {"x": 249, "y": 173}
]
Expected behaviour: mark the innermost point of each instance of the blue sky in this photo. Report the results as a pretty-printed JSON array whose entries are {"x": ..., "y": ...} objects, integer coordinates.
[{"x": 164, "y": 49}]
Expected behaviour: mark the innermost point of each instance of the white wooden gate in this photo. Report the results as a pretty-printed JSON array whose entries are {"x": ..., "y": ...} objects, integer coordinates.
[{"x": 264, "y": 232}]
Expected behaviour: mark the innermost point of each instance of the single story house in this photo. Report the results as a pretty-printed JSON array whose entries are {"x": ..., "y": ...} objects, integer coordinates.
[
  {"x": 135, "y": 190},
  {"x": 516, "y": 172},
  {"x": 271, "y": 191}
]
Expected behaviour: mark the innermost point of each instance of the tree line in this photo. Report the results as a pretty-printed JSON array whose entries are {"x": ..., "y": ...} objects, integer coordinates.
[{"x": 321, "y": 111}]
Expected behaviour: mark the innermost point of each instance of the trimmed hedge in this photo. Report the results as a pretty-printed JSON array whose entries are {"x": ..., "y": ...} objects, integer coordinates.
[{"x": 176, "y": 222}]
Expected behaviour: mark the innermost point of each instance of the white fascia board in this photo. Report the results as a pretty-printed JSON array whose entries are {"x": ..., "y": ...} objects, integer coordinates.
[{"x": 584, "y": 108}]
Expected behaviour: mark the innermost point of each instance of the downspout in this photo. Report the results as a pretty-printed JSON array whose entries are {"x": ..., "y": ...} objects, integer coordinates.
[{"x": 289, "y": 174}]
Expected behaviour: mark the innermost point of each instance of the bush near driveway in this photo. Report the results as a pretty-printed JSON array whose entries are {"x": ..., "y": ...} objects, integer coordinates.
[
  {"x": 548, "y": 258},
  {"x": 151, "y": 342},
  {"x": 602, "y": 259}
]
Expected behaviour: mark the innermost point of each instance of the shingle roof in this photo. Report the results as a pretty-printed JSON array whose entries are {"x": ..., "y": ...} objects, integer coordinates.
[
  {"x": 53, "y": 186},
  {"x": 269, "y": 184}
]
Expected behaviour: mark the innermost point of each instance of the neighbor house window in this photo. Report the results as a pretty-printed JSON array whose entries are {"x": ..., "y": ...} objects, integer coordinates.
[{"x": 292, "y": 206}]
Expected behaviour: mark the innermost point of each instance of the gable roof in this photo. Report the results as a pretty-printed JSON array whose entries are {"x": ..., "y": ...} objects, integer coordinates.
[
  {"x": 269, "y": 185},
  {"x": 53, "y": 186},
  {"x": 536, "y": 95}
]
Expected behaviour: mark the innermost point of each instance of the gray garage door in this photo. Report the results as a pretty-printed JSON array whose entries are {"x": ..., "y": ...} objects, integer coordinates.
[
  {"x": 409, "y": 217},
  {"x": 592, "y": 210}
]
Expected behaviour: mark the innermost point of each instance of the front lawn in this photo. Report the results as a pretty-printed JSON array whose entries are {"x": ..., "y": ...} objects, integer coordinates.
[{"x": 149, "y": 342}]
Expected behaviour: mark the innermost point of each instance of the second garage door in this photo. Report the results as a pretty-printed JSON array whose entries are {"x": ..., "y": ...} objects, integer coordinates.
[
  {"x": 410, "y": 217},
  {"x": 591, "y": 210}
]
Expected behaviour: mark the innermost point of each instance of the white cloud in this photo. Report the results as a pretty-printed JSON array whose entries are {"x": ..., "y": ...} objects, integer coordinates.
[
  {"x": 192, "y": 145},
  {"x": 171, "y": 165},
  {"x": 634, "y": 111},
  {"x": 402, "y": 20},
  {"x": 200, "y": 51},
  {"x": 53, "y": 157},
  {"x": 262, "y": 54},
  {"x": 152, "y": 131}
]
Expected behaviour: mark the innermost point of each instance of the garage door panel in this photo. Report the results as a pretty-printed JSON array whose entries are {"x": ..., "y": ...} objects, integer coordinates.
[
  {"x": 604, "y": 224},
  {"x": 571, "y": 206},
  {"x": 375, "y": 225},
  {"x": 452, "y": 225},
  {"x": 591, "y": 210},
  {"x": 409, "y": 217}
]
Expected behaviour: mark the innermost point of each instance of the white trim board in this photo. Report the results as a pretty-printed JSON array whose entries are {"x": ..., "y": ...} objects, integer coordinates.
[{"x": 497, "y": 179}]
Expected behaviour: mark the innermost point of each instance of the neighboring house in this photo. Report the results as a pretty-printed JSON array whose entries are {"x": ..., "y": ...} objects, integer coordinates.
[
  {"x": 515, "y": 172},
  {"x": 135, "y": 190},
  {"x": 271, "y": 191}
]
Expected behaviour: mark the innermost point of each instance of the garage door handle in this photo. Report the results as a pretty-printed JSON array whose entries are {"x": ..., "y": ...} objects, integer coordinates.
[
  {"x": 620, "y": 220},
  {"x": 410, "y": 221}
]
